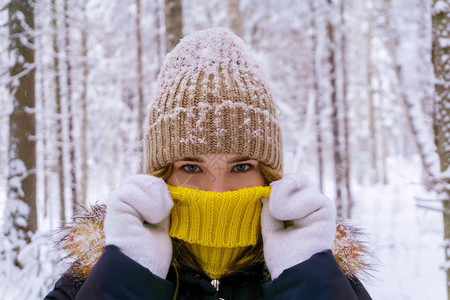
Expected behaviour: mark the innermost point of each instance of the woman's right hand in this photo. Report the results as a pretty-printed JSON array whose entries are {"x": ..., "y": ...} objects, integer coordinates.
[{"x": 140, "y": 199}]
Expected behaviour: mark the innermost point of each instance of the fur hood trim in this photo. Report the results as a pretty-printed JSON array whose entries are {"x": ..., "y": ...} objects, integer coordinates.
[{"x": 82, "y": 241}]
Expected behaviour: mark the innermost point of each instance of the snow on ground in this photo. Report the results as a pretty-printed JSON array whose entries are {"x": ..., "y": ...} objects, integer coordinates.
[{"x": 406, "y": 240}]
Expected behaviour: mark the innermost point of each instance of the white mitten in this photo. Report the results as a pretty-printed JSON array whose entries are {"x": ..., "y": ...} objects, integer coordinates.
[
  {"x": 313, "y": 227},
  {"x": 141, "y": 198}
]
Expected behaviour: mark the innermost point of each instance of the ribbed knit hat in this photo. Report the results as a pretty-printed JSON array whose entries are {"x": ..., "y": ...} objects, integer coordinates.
[{"x": 211, "y": 99}]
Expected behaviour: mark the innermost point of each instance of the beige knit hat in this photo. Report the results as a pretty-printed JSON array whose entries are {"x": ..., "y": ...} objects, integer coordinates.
[{"x": 211, "y": 99}]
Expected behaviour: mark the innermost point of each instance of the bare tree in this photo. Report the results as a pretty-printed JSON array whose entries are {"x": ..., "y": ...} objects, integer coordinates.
[
  {"x": 140, "y": 76},
  {"x": 234, "y": 18},
  {"x": 157, "y": 21},
  {"x": 20, "y": 209},
  {"x": 335, "y": 114},
  {"x": 84, "y": 110},
  {"x": 316, "y": 87},
  {"x": 60, "y": 139},
  {"x": 374, "y": 177},
  {"x": 414, "y": 127},
  {"x": 345, "y": 112},
  {"x": 71, "y": 109},
  {"x": 174, "y": 23},
  {"x": 41, "y": 71},
  {"x": 440, "y": 57}
]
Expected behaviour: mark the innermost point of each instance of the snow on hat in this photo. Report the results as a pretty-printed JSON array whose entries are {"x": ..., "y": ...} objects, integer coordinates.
[{"x": 211, "y": 99}]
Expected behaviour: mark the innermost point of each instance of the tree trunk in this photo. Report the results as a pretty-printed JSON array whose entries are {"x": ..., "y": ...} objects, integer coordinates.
[
  {"x": 59, "y": 130},
  {"x": 71, "y": 110},
  {"x": 420, "y": 139},
  {"x": 335, "y": 117},
  {"x": 159, "y": 52},
  {"x": 140, "y": 76},
  {"x": 383, "y": 136},
  {"x": 440, "y": 55},
  {"x": 345, "y": 108},
  {"x": 384, "y": 149},
  {"x": 42, "y": 122},
  {"x": 45, "y": 155},
  {"x": 174, "y": 23},
  {"x": 234, "y": 18},
  {"x": 317, "y": 100},
  {"x": 84, "y": 111},
  {"x": 374, "y": 174},
  {"x": 20, "y": 210}
]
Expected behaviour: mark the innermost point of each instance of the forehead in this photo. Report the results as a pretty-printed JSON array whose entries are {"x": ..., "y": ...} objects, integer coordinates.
[{"x": 217, "y": 158}]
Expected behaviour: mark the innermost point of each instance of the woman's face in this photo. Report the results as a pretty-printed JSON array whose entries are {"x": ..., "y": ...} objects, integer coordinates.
[{"x": 216, "y": 173}]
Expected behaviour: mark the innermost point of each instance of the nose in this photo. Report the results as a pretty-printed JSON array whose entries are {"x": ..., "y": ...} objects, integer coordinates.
[{"x": 216, "y": 184}]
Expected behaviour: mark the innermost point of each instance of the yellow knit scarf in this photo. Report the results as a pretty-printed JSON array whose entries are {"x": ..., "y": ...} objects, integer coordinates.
[{"x": 218, "y": 226}]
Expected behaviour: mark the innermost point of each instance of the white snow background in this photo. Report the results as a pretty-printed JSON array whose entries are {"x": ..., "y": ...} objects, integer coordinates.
[{"x": 406, "y": 239}]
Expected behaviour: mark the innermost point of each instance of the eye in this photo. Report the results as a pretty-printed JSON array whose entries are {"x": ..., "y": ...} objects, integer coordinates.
[
  {"x": 191, "y": 168},
  {"x": 242, "y": 167}
]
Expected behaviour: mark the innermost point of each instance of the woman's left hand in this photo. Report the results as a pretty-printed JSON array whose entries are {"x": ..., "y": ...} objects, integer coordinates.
[{"x": 312, "y": 226}]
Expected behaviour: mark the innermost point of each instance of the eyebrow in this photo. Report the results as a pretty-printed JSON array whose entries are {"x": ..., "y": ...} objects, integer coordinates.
[
  {"x": 240, "y": 158},
  {"x": 198, "y": 159}
]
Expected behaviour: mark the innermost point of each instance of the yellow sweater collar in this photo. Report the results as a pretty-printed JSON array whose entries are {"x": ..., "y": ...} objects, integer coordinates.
[{"x": 218, "y": 226}]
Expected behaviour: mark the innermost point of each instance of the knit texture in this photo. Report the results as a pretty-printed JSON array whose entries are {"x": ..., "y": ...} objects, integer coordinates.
[
  {"x": 212, "y": 99},
  {"x": 313, "y": 219},
  {"x": 218, "y": 226},
  {"x": 141, "y": 198}
]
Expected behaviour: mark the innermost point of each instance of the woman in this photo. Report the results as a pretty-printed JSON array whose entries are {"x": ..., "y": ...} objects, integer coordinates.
[{"x": 213, "y": 217}]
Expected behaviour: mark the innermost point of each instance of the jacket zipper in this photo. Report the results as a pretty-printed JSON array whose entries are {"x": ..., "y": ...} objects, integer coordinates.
[{"x": 215, "y": 283}]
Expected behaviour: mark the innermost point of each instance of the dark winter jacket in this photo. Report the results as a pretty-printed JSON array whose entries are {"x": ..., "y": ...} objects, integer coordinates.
[{"x": 116, "y": 276}]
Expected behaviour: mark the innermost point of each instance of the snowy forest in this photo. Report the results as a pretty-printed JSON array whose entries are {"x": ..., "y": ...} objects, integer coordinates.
[{"x": 361, "y": 90}]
